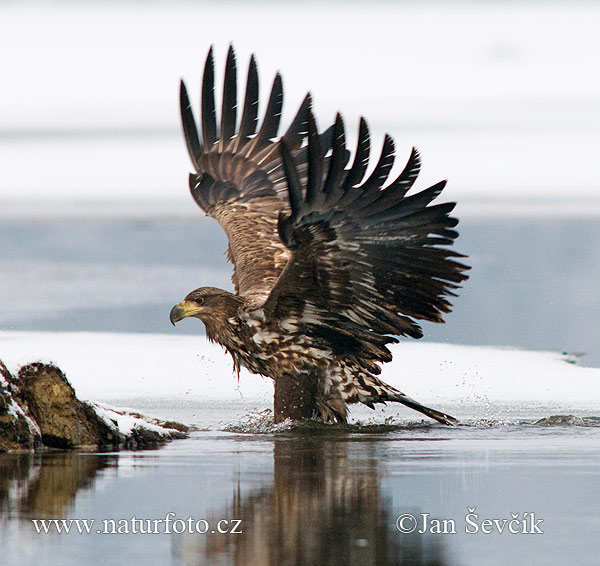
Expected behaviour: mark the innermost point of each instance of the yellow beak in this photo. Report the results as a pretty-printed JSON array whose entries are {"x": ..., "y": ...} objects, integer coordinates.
[{"x": 181, "y": 311}]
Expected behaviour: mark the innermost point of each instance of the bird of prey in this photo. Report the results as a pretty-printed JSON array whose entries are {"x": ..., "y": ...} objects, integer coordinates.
[{"x": 330, "y": 264}]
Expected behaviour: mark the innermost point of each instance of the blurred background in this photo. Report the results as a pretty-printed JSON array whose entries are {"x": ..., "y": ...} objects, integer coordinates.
[{"x": 98, "y": 231}]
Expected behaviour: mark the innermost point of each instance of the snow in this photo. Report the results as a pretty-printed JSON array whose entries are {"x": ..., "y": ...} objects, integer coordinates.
[
  {"x": 174, "y": 371},
  {"x": 124, "y": 423},
  {"x": 501, "y": 98},
  {"x": 14, "y": 410},
  {"x": 104, "y": 366}
]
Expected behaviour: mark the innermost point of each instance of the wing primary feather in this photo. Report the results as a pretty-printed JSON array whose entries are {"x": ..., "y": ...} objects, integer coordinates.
[
  {"x": 249, "y": 118},
  {"x": 298, "y": 128},
  {"x": 383, "y": 167},
  {"x": 229, "y": 104},
  {"x": 209, "y": 114},
  {"x": 361, "y": 158},
  {"x": 270, "y": 125},
  {"x": 190, "y": 130},
  {"x": 395, "y": 192},
  {"x": 410, "y": 172},
  {"x": 421, "y": 199},
  {"x": 326, "y": 140},
  {"x": 338, "y": 157},
  {"x": 294, "y": 135},
  {"x": 315, "y": 164},
  {"x": 293, "y": 181}
]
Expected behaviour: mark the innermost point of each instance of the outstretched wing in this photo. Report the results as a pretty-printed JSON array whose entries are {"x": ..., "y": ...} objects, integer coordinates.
[
  {"x": 240, "y": 179},
  {"x": 367, "y": 260}
]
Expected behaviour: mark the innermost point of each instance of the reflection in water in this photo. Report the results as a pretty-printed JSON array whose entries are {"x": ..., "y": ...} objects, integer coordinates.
[
  {"x": 324, "y": 507},
  {"x": 45, "y": 485}
]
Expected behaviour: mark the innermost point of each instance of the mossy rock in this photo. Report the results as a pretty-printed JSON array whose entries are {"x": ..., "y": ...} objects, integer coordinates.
[{"x": 39, "y": 408}]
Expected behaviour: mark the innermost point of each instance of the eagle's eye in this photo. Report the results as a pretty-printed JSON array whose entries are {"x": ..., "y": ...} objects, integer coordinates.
[{"x": 199, "y": 301}]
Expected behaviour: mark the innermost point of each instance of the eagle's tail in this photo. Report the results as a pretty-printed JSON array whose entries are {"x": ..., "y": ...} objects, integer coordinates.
[{"x": 432, "y": 413}]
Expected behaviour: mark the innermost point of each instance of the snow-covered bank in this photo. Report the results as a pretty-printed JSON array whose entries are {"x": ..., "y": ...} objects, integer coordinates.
[
  {"x": 39, "y": 409},
  {"x": 175, "y": 372}
]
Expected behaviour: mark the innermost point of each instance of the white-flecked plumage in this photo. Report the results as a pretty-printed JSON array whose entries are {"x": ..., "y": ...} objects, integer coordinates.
[{"x": 329, "y": 264}]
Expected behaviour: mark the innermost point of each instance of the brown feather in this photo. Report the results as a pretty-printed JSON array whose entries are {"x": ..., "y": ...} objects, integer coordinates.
[{"x": 328, "y": 266}]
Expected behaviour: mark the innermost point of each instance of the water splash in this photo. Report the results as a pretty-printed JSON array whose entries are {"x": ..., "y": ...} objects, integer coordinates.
[{"x": 568, "y": 420}]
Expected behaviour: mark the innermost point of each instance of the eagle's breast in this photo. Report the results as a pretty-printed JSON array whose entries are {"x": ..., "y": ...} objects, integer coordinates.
[{"x": 274, "y": 348}]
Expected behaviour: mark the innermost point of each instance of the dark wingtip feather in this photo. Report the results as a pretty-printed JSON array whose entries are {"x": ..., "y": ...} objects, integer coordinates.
[
  {"x": 361, "y": 157},
  {"x": 249, "y": 118},
  {"x": 209, "y": 114},
  {"x": 293, "y": 181},
  {"x": 229, "y": 104},
  {"x": 326, "y": 138},
  {"x": 315, "y": 162},
  {"x": 338, "y": 157},
  {"x": 420, "y": 200},
  {"x": 439, "y": 186},
  {"x": 409, "y": 174},
  {"x": 298, "y": 128},
  {"x": 188, "y": 122},
  {"x": 383, "y": 167},
  {"x": 339, "y": 130},
  {"x": 270, "y": 125},
  {"x": 309, "y": 100}
]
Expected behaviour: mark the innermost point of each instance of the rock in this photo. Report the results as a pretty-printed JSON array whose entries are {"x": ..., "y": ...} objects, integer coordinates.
[
  {"x": 64, "y": 421},
  {"x": 39, "y": 409},
  {"x": 17, "y": 430}
]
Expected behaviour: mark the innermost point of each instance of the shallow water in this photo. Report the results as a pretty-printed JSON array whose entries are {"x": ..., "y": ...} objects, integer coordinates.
[{"x": 316, "y": 495}]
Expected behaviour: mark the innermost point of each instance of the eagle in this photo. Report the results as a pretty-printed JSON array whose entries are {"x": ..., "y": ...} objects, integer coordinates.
[{"x": 331, "y": 264}]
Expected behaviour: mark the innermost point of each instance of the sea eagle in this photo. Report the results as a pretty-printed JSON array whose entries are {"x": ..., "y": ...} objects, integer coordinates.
[{"x": 330, "y": 265}]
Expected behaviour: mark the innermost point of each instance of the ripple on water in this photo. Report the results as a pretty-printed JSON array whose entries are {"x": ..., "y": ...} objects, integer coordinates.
[
  {"x": 261, "y": 422},
  {"x": 568, "y": 420}
]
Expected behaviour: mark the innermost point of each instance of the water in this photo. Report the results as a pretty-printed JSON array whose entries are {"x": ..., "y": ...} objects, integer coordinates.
[{"x": 315, "y": 497}]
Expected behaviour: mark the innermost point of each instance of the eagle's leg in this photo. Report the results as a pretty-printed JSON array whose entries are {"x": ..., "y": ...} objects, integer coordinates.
[{"x": 295, "y": 398}]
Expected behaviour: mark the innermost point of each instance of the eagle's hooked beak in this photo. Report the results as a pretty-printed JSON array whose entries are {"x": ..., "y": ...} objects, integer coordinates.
[{"x": 180, "y": 311}]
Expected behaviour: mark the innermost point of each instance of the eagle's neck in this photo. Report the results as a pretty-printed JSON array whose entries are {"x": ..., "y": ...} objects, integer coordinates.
[{"x": 222, "y": 324}]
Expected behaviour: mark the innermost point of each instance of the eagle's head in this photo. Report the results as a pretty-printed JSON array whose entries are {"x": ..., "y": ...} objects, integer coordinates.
[{"x": 211, "y": 305}]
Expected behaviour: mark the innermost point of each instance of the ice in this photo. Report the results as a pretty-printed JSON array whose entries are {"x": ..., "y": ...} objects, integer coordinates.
[{"x": 176, "y": 372}]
